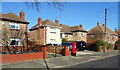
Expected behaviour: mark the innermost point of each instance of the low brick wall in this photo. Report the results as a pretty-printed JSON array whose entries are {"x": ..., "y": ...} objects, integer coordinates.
[{"x": 13, "y": 58}]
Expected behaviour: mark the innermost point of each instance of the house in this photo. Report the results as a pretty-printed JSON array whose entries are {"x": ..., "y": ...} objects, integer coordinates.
[
  {"x": 118, "y": 32},
  {"x": 98, "y": 33},
  {"x": 75, "y": 33},
  {"x": 46, "y": 32},
  {"x": 13, "y": 30}
]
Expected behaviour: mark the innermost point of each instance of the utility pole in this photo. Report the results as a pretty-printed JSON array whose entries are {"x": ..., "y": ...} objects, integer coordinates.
[{"x": 105, "y": 25}]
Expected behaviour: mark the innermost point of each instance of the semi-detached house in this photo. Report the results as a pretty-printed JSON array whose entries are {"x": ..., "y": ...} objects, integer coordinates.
[
  {"x": 13, "y": 31},
  {"x": 45, "y": 32}
]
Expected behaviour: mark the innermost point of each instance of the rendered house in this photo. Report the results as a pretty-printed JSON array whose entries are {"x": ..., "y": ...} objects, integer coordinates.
[
  {"x": 98, "y": 32},
  {"x": 13, "y": 30},
  {"x": 76, "y": 33},
  {"x": 46, "y": 32}
]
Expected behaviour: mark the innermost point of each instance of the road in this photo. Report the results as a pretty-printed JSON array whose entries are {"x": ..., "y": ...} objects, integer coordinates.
[{"x": 110, "y": 63}]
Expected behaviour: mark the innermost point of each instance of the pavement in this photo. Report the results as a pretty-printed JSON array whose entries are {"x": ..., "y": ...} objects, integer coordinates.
[{"x": 63, "y": 61}]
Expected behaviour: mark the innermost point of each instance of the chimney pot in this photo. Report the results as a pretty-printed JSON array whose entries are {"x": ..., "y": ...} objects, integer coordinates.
[
  {"x": 57, "y": 21},
  {"x": 39, "y": 21},
  {"x": 80, "y": 26},
  {"x": 103, "y": 24},
  {"x": 98, "y": 23}
]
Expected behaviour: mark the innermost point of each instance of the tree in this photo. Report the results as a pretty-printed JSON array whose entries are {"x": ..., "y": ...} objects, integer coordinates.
[
  {"x": 4, "y": 36},
  {"x": 36, "y": 4},
  {"x": 20, "y": 34}
]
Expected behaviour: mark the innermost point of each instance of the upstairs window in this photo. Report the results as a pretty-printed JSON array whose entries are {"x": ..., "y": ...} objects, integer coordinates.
[
  {"x": 14, "y": 26},
  {"x": 83, "y": 34},
  {"x": 52, "y": 29},
  {"x": 14, "y": 41},
  {"x": 74, "y": 33},
  {"x": 92, "y": 36},
  {"x": 108, "y": 36}
]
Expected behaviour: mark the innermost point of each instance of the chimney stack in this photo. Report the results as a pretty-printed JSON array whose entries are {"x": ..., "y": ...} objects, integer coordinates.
[
  {"x": 39, "y": 21},
  {"x": 80, "y": 26},
  {"x": 103, "y": 24},
  {"x": 98, "y": 23},
  {"x": 22, "y": 15},
  {"x": 57, "y": 21}
]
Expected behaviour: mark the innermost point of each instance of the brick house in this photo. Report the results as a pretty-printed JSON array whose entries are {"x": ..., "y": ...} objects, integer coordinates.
[
  {"x": 98, "y": 32},
  {"x": 46, "y": 32},
  {"x": 13, "y": 30},
  {"x": 75, "y": 33}
]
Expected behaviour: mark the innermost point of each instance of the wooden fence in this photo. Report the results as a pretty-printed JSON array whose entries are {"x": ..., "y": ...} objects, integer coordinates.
[{"x": 54, "y": 49}]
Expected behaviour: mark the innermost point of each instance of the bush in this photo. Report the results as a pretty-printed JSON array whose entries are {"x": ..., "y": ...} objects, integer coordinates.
[
  {"x": 64, "y": 40},
  {"x": 100, "y": 43},
  {"x": 117, "y": 42}
]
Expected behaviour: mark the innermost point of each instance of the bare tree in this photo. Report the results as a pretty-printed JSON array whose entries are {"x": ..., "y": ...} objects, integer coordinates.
[
  {"x": 20, "y": 34},
  {"x": 37, "y": 4},
  {"x": 4, "y": 36}
]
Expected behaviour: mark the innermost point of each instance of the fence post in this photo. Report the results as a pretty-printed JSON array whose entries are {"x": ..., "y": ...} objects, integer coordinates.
[
  {"x": 44, "y": 52},
  {"x": 67, "y": 52}
]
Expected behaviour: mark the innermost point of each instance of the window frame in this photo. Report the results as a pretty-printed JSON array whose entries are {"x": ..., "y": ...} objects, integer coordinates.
[
  {"x": 16, "y": 39},
  {"x": 16, "y": 26}
]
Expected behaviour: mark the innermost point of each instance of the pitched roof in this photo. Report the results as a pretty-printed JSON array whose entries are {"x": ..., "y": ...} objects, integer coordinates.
[
  {"x": 46, "y": 23},
  {"x": 77, "y": 28},
  {"x": 100, "y": 29},
  {"x": 12, "y": 16},
  {"x": 65, "y": 28},
  {"x": 49, "y": 22},
  {"x": 68, "y": 29}
]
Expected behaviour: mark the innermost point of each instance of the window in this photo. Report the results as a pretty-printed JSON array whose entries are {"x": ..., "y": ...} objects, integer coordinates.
[
  {"x": 52, "y": 29},
  {"x": 108, "y": 36},
  {"x": 14, "y": 26},
  {"x": 92, "y": 36},
  {"x": 53, "y": 41},
  {"x": 74, "y": 33},
  {"x": 15, "y": 42},
  {"x": 83, "y": 34},
  {"x": 53, "y": 32},
  {"x": 116, "y": 37},
  {"x": 60, "y": 35}
]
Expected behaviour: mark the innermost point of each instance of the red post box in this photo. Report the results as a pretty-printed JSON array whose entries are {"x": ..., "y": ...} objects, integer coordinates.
[{"x": 73, "y": 52}]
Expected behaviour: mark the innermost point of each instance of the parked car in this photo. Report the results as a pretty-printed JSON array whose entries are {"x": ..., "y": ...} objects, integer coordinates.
[
  {"x": 67, "y": 44},
  {"x": 80, "y": 45},
  {"x": 53, "y": 44}
]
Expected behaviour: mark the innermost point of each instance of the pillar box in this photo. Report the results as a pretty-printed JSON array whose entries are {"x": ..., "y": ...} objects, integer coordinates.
[
  {"x": 44, "y": 52},
  {"x": 73, "y": 52}
]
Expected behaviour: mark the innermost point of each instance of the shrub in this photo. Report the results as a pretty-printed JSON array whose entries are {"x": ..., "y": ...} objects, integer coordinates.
[
  {"x": 64, "y": 40},
  {"x": 100, "y": 43},
  {"x": 117, "y": 42}
]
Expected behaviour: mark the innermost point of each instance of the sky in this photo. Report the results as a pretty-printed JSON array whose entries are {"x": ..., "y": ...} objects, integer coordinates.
[{"x": 72, "y": 14}]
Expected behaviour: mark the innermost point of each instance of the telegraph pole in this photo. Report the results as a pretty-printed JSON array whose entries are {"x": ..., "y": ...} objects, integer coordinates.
[{"x": 105, "y": 25}]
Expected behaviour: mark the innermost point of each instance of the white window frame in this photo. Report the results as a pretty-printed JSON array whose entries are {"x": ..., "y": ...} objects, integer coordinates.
[
  {"x": 17, "y": 39},
  {"x": 108, "y": 36},
  {"x": 74, "y": 33},
  {"x": 92, "y": 36},
  {"x": 52, "y": 29},
  {"x": 17, "y": 26},
  {"x": 53, "y": 41},
  {"x": 83, "y": 34}
]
